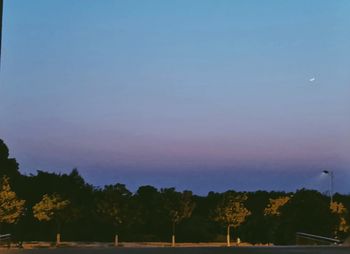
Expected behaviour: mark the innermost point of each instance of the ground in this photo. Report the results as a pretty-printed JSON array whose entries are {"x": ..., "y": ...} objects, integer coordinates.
[{"x": 185, "y": 250}]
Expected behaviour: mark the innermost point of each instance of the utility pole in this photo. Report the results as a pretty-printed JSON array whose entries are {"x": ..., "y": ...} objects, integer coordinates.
[{"x": 331, "y": 183}]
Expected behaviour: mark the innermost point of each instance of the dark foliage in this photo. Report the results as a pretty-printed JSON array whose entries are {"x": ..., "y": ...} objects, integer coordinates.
[{"x": 96, "y": 214}]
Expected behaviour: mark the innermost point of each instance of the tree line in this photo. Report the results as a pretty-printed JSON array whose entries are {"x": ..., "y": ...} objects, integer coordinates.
[{"x": 50, "y": 206}]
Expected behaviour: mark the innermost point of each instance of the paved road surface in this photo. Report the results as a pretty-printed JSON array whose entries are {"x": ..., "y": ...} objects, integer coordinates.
[{"x": 206, "y": 250}]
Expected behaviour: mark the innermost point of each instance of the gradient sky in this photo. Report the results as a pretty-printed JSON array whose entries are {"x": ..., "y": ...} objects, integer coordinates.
[{"x": 203, "y": 95}]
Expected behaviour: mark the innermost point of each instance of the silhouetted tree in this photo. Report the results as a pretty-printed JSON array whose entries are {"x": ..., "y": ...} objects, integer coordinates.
[
  {"x": 342, "y": 215},
  {"x": 11, "y": 208},
  {"x": 199, "y": 227},
  {"x": 231, "y": 211},
  {"x": 112, "y": 205},
  {"x": 8, "y": 166},
  {"x": 52, "y": 208},
  {"x": 149, "y": 215},
  {"x": 307, "y": 211},
  {"x": 272, "y": 213},
  {"x": 179, "y": 206},
  {"x": 95, "y": 214},
  {"x": 256, "y": 228}
]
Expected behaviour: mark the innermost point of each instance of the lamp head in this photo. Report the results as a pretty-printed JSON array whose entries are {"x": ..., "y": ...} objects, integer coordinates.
[{"x": 325, "y": 172}]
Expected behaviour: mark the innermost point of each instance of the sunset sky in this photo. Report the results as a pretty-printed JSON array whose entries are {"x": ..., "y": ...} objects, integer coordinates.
[{"x": 196, "y": 94}]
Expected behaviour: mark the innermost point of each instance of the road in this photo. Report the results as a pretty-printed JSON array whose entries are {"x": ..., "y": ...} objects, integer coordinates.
[{"x": 197, "y": 250}]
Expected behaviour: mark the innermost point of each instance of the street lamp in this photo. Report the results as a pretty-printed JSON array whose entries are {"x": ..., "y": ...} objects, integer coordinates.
[{"x": 331, "y": 183}]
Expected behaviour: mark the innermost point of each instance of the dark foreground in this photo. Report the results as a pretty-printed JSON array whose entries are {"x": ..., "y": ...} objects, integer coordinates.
[{"x": 199, "y": 250}]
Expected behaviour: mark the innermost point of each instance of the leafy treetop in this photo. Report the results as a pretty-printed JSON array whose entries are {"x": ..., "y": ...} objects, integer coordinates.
[
  {"x": 11, "y": 208},
  {"x": 231, "y": 210},
  {"x": 49, "y": 207}
]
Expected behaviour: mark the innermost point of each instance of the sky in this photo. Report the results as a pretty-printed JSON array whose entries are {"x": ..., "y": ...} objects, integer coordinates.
[{"x": 195, "y": 94}]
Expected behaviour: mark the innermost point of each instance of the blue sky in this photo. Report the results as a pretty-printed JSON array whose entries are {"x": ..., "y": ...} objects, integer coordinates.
[{"x": 205, "y": 95}]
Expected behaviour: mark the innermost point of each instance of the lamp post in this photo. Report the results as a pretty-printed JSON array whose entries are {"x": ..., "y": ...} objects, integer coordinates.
[{"x": 331, "y": 183}]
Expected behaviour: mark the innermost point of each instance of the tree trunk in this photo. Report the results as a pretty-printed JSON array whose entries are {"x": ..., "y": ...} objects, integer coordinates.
[
  {"x": 173, "y": 236},
  {"x": 228, "y": 236},
  {"x": 58, "y": 239},
  {"x": 58, "y": 234},
  {"x": 116, "y": 241}
]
